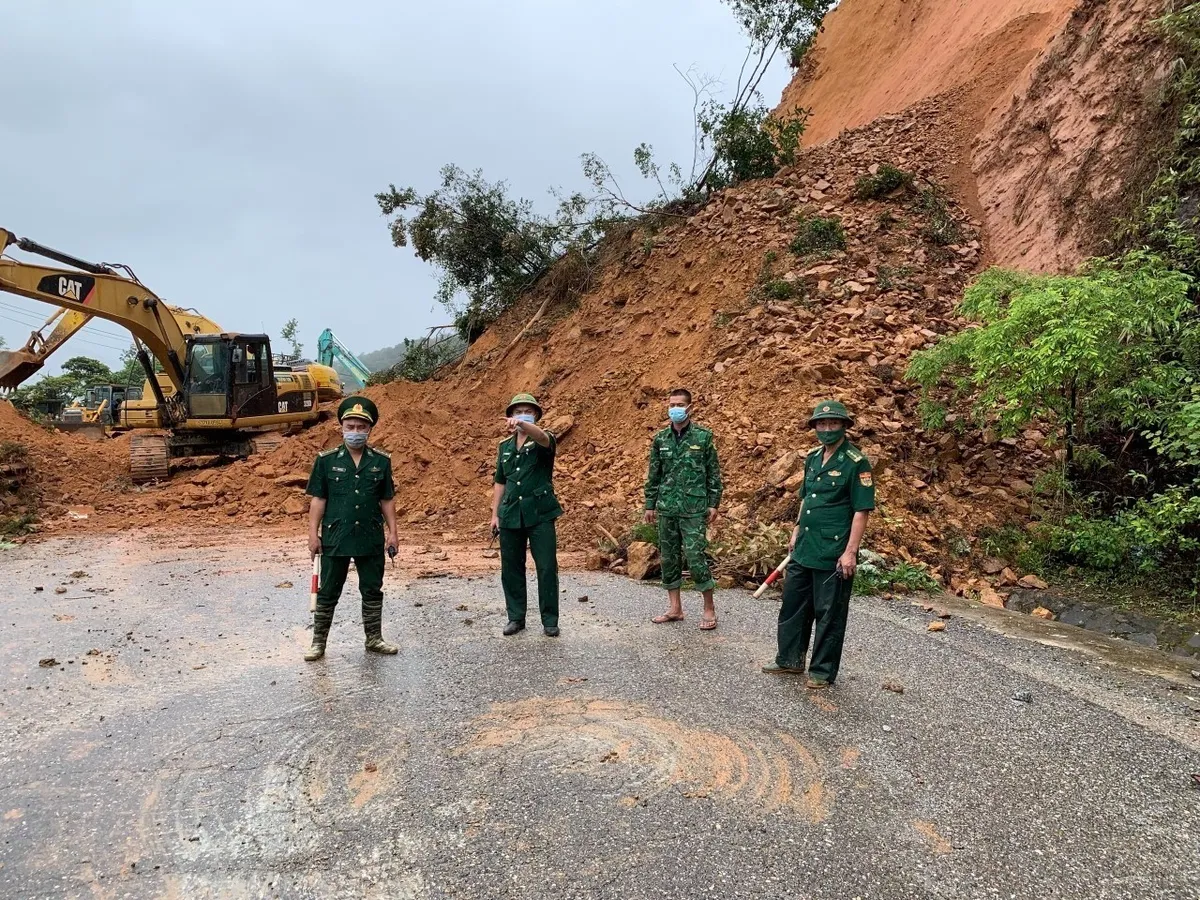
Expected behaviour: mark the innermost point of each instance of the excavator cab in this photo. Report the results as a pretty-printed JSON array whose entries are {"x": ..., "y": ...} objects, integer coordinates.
[{"x": 230, "y": 376}]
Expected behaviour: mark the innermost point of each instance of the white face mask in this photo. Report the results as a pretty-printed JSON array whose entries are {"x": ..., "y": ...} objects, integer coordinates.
[
  {"x": 527, "y": 418},
  {"x": 355, "y": 440}
]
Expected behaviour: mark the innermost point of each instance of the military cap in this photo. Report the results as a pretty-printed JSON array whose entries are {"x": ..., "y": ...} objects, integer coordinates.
[
  {"x": 358, "y": 408},
  {"x": 524, "y": 400},
  {"x": 830, "y": 409}
]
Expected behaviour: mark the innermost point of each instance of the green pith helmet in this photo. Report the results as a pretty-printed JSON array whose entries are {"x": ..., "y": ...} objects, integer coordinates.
[
  {"x": 524, "y": 400},
  {"x": 830, "y": 409},
  {"x": 358, "y": 408}
]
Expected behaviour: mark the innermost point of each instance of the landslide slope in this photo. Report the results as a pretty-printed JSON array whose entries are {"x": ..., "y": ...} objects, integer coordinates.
[
  {"x": 1058, "y": 102},
  {"x": 704, "y": 303}
]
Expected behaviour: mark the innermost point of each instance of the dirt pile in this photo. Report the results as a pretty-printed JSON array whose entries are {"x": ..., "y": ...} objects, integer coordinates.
[
  {"x": 721, "y": 304},
  {"x": 1055, "y": 100},
  {"x": 69, "y": 471}
]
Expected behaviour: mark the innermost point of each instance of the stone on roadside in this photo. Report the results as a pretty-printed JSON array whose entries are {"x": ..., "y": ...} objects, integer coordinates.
[
  {"x": 1042, "y": 613},
  {"x": 936, "y": 626},
  {"x": 1033, "y": 583},
  {"x": 990, "y": 597},
  {"x": 642, "y": 561}
]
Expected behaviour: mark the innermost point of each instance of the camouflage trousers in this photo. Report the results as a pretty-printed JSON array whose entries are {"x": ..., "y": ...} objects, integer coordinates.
[
  {"x": 370, "y": 586},
  {"x": 680, "y": 538}
]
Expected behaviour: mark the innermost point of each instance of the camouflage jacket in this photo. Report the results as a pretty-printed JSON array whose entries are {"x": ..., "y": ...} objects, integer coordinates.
[{"x": 685, "y": 477}]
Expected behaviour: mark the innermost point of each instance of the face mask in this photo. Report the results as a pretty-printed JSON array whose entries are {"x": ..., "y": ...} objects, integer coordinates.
[
  {"x": 355, "y": 440},
  {"x": 528, "y": 418},
  {"x": 829, "y": 438},
  {"x": 678, "y": 414}
]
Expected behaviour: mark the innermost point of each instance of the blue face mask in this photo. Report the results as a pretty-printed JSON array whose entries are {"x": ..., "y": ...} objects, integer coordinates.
[
  {"x": 355, "y": 440},
  {"x": 528, "y": 418},
  {"x": 678, "y": 414}
]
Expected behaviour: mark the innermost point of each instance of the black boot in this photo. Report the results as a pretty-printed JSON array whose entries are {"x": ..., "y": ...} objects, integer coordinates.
[{"x": 513, "y": 627}]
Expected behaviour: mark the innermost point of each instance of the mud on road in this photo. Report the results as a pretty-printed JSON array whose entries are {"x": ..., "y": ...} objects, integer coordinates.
[{"x": 177, "y": 745}]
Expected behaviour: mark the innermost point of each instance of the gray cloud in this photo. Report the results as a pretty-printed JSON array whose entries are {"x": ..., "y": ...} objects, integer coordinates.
[{"x": 229, "y": 151}]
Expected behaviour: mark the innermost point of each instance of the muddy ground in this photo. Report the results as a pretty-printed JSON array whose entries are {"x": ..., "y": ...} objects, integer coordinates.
[{"x": 179, "y": 746}]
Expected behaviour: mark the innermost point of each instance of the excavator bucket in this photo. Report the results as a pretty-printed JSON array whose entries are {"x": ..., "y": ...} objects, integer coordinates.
[{"x": 16, "y": 366}]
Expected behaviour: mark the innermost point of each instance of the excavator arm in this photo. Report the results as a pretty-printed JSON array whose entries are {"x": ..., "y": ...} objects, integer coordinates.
[
  {"x": 96, "y": 290},
  {"x": 17, "y": 365},
  {"x": 329, "y": 349}
]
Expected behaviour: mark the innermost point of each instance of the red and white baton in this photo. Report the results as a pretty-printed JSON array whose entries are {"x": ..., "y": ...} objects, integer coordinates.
[
  {"x": 315, "y": 584},
  {"x": 773, "y": 577}
]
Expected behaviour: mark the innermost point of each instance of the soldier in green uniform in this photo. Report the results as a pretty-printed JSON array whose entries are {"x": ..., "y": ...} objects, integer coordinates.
[
  {"x": 352, "y": 502},
  {"x": 524, "y": 510},
  {"x": 837, "y": 497},
  {"x": 683, "y": 492}
]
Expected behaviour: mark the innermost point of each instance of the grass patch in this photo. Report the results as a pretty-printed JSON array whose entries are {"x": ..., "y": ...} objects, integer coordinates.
[
  {"x": 817, "y": 234},
  {"x": 875, "y": 576},
  {"x": 886, "y": 180},
  {"x": 940, "y": 227}
]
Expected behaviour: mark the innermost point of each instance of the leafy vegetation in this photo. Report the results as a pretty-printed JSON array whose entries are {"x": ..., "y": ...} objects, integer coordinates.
[
  {"x": 1108, "y": 360},
  {"x": 875, "y": 576},
  {"x": 288, "y": 333},
  {"x": 885, "y": 180},
  {"x": 817, "y": 234},
  {"x": 78, "y": 374},
  {"x": 420, "y": 360},
  {"x": 940, "y": 227}
]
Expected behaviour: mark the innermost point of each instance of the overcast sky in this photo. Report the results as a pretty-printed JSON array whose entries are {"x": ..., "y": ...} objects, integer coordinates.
[{"x": 229, "y": 150}]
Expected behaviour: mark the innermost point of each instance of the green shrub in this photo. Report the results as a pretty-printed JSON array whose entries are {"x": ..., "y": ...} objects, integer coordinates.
[
  {"x": 644, "y": 533},
  {"x": 940, "y": 227},
  {"x": 816, "y": 234},
  {"x": 875, "y": 576},
  {"x": 886, "y": 180},
  {"x": 779, "y": 290}
]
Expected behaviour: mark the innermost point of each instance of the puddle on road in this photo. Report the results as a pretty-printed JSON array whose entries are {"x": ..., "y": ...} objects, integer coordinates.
[{"x": 771, "y": 770}]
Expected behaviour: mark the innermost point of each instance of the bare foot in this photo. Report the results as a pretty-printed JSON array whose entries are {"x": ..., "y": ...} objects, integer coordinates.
[{"x": 667, "y": 617}]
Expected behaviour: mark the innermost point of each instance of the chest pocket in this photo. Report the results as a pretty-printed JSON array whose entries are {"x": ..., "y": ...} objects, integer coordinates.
[
  {"x": 829, "y": 486},
  {"x": 341, "y": 483}
]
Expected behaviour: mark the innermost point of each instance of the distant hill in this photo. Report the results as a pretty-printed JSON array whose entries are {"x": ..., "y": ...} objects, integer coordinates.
[{"x": 378, "y": 360}]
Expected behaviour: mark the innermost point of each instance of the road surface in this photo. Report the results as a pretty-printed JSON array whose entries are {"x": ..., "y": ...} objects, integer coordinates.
[{"x": 178, "y": 746}]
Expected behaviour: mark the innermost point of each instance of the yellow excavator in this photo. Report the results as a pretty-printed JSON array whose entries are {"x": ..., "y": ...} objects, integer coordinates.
[{"x": 212, "y": 393}]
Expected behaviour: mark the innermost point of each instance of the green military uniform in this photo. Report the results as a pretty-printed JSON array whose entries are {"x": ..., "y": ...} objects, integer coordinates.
[
  {"x": 352, "y": 527},
  {"x": 813, "y": 594},
  {"x": 528, "y": 510},
  {"x": 683, "y": 484}
]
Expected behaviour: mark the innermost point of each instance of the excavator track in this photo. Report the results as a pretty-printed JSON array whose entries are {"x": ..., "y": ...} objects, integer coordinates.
[
  {"x": 265, "y": 443},
  {"x": 149, "y": 458}
]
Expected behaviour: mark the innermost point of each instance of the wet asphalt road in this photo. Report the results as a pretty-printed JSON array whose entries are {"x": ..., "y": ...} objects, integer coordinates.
[{"x": 194, "y": 754}]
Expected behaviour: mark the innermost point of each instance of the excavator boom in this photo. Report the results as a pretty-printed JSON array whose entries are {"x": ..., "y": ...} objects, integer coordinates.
[{"x": 329, "y": 349}]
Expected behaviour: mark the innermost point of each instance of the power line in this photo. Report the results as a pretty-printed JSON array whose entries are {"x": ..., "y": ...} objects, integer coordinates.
[
  {"x": 81, "y": 340},
  {"x": 40, "y": 321}
]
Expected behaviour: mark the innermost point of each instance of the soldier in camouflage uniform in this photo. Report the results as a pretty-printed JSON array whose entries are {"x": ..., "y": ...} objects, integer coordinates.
[
  {"x": 837, "y": 497},
  {"x": 352, "y": 500},
  {"x": 683, "y": 492}
]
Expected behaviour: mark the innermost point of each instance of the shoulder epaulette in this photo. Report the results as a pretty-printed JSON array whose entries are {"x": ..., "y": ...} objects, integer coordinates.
[
  {"x": 854, "y": 455},
  {"x": 816, "y": 450},
  {"x": 330, "y": 450},
  {"x": 382, "y": 453}
]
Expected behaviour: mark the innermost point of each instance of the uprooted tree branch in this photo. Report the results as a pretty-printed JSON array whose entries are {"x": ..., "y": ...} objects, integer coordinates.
[{"x": 492, "y": 248}]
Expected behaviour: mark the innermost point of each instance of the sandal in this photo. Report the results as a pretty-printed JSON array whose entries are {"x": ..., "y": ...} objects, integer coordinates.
[
  {"x": 667, "y": 617},
  {"x": 708, "y": 624}
]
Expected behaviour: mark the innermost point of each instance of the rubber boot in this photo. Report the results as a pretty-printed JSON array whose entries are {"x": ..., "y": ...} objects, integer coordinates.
[
  {"x": 376, "y": 644},
  {"x": 322, "y": 619}
]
